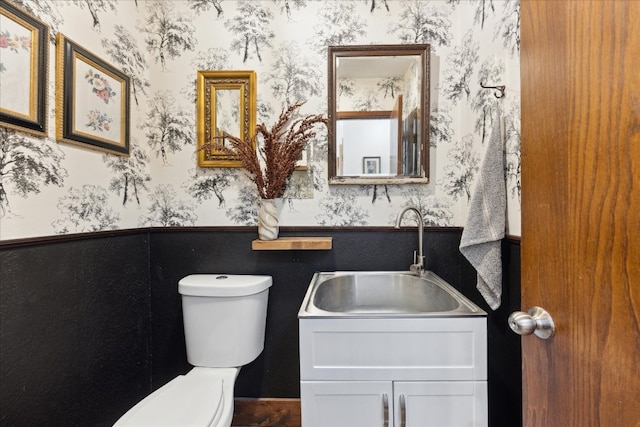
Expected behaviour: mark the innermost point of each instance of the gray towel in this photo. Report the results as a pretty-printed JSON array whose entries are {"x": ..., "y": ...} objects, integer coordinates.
[{"x": 485, "y": 228}]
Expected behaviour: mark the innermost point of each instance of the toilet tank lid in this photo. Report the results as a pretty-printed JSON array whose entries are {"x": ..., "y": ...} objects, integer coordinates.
[{"x": 223, "y": 285}]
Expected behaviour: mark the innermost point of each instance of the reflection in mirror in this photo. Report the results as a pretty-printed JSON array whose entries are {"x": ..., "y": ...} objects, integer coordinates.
[
  {"x": 378, "y": 108},
  {"x": 227, "y": 119},
  {"x": 226, "y": 105}
]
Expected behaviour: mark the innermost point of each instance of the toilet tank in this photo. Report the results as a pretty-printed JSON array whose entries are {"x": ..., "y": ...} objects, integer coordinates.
[{"x": 224, "y": 318}]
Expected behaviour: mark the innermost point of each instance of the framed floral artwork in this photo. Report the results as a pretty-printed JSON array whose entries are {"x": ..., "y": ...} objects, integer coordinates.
[
  {"x": 92, "y": 100},
  {"x": 24, "y": 58}
]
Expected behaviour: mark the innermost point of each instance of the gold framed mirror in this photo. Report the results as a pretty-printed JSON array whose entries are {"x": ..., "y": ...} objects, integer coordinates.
[
  {"x": 226, "y": 105},
  {"x": 378, "y": 108}
]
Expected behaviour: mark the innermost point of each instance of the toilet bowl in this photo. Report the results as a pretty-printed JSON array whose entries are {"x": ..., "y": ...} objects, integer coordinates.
[{"x": 224, "y": 324}]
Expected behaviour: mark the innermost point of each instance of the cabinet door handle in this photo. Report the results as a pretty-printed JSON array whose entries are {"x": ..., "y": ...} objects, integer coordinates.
[
  {"x": 385, "y": 410},
  {"x": 403, "y": 411}
]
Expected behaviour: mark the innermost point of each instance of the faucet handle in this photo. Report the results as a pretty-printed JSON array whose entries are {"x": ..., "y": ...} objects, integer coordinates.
[{"x": 418, "y": 263}]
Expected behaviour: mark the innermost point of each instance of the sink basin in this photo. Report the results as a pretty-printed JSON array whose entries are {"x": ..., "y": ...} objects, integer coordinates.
[{"x": 383, "y": 294}]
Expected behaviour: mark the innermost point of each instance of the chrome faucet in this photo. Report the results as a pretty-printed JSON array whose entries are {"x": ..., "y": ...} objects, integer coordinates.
[{"x": 418, "y": 259}]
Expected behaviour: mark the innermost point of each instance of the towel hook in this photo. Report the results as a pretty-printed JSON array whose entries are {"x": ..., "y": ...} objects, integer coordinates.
[{"x": 498, "y": 88}]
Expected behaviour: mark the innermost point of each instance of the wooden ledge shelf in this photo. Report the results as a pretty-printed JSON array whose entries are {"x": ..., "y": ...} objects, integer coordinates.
[{"x": 293, "y": 243}]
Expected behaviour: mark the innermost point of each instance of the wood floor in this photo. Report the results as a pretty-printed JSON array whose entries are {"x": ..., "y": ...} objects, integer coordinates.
[{"x": 266, "y": 413}]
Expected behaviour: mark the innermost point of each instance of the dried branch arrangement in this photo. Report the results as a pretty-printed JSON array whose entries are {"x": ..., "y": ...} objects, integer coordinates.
[{"x": 271, "y": 165}]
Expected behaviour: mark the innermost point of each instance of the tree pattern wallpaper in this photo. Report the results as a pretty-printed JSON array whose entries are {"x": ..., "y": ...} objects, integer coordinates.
[{"x": 49, "y": 187}]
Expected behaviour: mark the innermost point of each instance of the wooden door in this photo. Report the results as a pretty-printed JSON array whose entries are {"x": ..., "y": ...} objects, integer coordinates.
[
  {"x": 580, "y": 69},
  {"x": 395, "y": 137}
]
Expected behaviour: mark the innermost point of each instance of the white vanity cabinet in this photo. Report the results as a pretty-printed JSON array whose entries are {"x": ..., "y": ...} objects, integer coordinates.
[{"x": 393, "y": 372}]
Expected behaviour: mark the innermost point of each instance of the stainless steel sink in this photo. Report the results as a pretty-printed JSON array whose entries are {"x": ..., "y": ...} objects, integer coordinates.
[{"x": 384, "y": 294}]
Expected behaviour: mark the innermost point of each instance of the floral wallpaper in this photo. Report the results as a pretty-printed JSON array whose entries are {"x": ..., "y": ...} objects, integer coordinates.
[{"x": 49, "y": 187}]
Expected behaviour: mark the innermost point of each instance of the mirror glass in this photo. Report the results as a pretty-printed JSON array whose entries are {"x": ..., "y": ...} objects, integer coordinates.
[
  {"x": 378, "y": 112},
  {"x": 227, "y": 119},
  {"x": 226, "y": 105}
]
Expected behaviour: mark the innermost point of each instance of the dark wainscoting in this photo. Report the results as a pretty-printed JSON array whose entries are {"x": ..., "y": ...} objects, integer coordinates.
[
  {"x": 74, "y": 330},
  {"x": 92, "y": 323}
]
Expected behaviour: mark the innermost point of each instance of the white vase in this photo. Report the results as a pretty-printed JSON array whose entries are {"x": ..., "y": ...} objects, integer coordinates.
[{"x": 268, "y": 215}]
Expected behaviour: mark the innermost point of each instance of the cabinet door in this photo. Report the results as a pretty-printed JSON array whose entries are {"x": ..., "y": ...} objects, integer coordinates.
[
  {"x": 346, "y": 403},
  {"x": 441, "y": 404}
]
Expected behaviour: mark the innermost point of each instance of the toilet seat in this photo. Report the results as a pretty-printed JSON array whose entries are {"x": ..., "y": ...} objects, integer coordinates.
[{"x": 197, "y": 399}]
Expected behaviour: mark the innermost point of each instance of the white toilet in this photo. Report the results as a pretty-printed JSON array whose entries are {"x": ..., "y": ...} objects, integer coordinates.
[{"x": 224, "y": 323}]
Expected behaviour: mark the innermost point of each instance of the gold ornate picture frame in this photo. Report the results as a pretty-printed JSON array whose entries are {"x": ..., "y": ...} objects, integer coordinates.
[
  {"x": 92, "y": 100},
  {"x": 24, "y": 59},
  {"x": 226, "y": 105}
]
